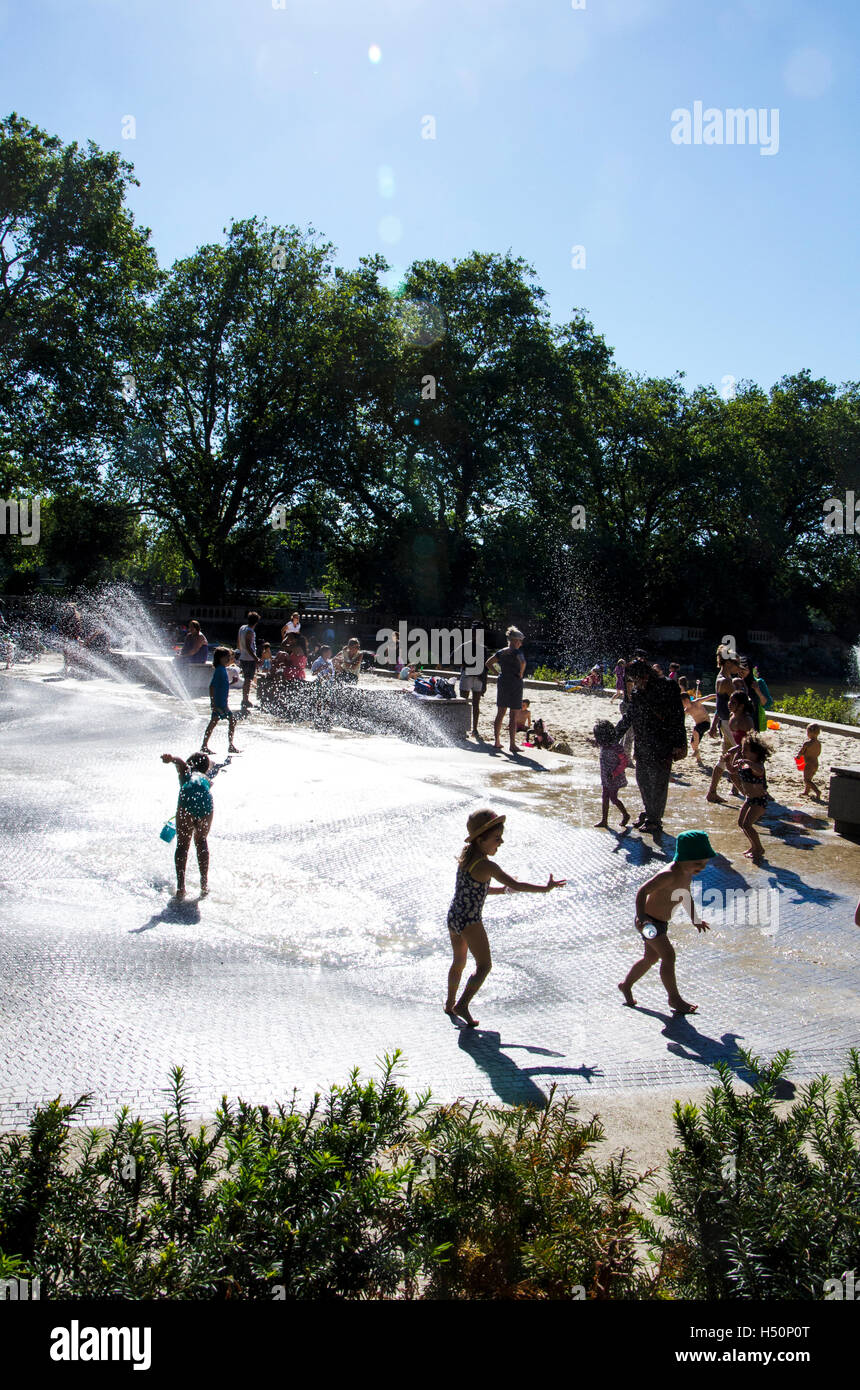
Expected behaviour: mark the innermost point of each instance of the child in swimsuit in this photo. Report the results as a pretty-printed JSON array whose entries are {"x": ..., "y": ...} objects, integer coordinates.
[
  {"x": 740, "y": 724},
  {"x": 748, "y": 762},
  {"x": 810, "y": 751},
  {"x": 613, "y": 761},
  {"x": 484, "y": 835},
  {"x": 699, "y": 715},
  {"x": 655, "y": 903},
  {"x": 194, "y": 811}
]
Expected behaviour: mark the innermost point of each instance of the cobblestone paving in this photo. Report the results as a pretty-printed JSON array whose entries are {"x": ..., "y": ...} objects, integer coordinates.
[{"x": 323, "y": 943}]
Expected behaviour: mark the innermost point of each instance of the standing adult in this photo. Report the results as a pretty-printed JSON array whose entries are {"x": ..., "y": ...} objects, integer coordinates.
[
  {"x": 247, "y": 644},
  {"x": 656, "y": 715},
  {"x": 473, "y": 681},
  {"x": 727, "y": 669},
  {"x": 195, "y": 647},
  {"x": 511, "y": 665}
]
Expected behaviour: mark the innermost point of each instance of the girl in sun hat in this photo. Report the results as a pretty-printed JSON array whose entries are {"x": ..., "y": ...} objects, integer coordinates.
[{"x": 484, "y": 834}]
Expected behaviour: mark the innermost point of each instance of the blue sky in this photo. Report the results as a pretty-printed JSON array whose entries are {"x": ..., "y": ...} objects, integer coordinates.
[{"x": 552, "y": 130}]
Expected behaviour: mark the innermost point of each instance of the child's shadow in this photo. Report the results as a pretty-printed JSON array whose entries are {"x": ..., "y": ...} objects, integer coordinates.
[
  {"x": 182, "y": 910},
  {"x": 686, "y": 1041},
  {"x": 512, "y": 1084}
]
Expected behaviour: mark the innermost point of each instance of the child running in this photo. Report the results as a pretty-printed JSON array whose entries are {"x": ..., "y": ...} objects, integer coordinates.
[
  {"x": 194, "y": 811},
  {"x": 696, "y": 709},
  {"x": 485, "y": 832},
  {"x": 655, "y": 903},
  {"x": 747, "y": 762},
  {"x": 219, "y": 688},
  {"x": 613, "y": 761},
  {"x": 810, "y": 752}
]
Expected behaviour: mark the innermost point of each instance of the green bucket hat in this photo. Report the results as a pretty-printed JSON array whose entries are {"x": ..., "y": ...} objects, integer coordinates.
[{"x": 693, "y": 844}]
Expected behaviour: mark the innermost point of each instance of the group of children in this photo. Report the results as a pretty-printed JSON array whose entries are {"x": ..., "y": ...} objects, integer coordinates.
[{"x": 478, "y": 876}]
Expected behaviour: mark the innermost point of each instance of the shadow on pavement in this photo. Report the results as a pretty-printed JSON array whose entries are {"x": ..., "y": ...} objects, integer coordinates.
[
  {"x": 187, "y": 910},
  {"x": 512, "y": 1084},
  {"x": 685, "y": 1040}
]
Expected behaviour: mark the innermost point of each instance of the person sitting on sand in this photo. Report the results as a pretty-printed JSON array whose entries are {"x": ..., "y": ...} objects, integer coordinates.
[
  {"x": 484, "y": 835},
  {"x": 194, "y": 811},
  {"x": 655, "y": 903},
  {"x": 613, "y": 761},
  {"x": 810, "y": 752},
  {"x": 522, "y": 717},
  {"x": 747, "y": 763}
]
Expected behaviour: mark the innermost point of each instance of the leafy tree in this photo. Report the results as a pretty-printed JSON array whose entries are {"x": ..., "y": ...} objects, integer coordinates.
[
  {"x": 73, "y": 268},
  {"x": 240, "y": 403}
]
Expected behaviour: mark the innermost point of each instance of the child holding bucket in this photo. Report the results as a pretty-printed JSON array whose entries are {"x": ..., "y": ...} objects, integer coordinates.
[
  {"x": 194, "y": 811},
  {"x": 484, "y": 834}
]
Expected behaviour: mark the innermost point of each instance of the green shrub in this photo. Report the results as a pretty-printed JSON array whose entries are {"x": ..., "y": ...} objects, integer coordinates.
[
  {"x": 762, "y": 1206},
  {"x": 332, "y": 1202},
  {"x": 548, "y": 673},
  {"x": 831, "y": 708},
  {"x": 367, "y": 1193}
]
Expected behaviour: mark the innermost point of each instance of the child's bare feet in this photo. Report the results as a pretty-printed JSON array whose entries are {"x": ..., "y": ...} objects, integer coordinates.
[
  {"x": 628, "y": 995},
  {"x": 601, "y": 825},
  {"x": 712, "y": 796},
  {"x": 204, "y": 889},
  {"x": 231, "y": 748},
  {"x": 461, "y": 1011},
  {"x": 179, "y": 894},
  {"x": 682, "y": 1007},
  {"x": 625, "y": 818}
]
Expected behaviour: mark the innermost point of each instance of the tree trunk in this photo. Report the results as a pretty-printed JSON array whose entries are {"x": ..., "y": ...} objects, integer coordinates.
[{"x": 211, "y": 579}]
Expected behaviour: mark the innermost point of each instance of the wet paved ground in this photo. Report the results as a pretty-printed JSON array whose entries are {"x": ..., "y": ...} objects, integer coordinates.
[{"x": 323, "y": 943}]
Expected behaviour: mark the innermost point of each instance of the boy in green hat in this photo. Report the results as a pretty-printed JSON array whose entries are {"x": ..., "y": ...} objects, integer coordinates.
[{"x": 655, "y": 903}]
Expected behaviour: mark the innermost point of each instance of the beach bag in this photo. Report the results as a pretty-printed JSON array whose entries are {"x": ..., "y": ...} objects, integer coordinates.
[
  {"x": 168, "y": 830},
  {"x": 425, "y": 685},
  {"x": 445, "y": 689}
]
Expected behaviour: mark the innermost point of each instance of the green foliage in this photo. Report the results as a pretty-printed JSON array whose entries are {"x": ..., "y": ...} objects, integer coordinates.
[
  {"x": 762, "y": 1205},
  {"x": 366, "y": 1193},
  {"x": 832, "y": 708},
  {"x": 523, "y": 1209},
  {"x": 333, "y": 1201},
  {"x": 547, "y": 673},
  {"x": 73, "y": 272}
]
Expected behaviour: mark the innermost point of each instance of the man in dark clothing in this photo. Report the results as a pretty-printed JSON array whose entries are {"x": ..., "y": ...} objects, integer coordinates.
[{"x": 656, "y": 715}]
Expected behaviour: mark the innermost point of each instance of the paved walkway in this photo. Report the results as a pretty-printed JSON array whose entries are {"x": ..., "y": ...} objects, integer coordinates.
[{"x": 323, "y": 944}]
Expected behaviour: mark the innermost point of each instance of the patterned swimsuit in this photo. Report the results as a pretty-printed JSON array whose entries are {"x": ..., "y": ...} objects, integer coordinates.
[
  {"x": 468, "y": 901},
  {"x": 748, "y": 775}
]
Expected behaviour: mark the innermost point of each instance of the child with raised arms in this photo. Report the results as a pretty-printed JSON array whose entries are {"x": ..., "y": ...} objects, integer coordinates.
[
  {"x": 194, "y": 810},
  {"x": 485, "y": 831}
]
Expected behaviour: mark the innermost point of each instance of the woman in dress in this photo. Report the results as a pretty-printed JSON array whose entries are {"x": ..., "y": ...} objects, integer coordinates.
[{"x": 511, "y": 665}]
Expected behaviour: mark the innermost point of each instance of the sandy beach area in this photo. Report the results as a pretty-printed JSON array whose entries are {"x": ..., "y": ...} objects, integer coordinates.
[{"x": 570, "y": 717}]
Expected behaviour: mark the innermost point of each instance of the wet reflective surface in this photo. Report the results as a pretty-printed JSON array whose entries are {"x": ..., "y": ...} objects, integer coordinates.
[{"x": 323, "y": 941}]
